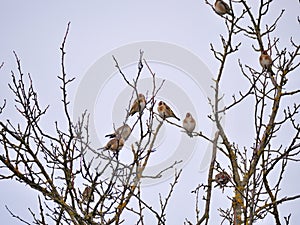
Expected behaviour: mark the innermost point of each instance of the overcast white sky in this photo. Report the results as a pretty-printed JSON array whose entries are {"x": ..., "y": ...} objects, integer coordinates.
[{"x": 100, "y": 28}]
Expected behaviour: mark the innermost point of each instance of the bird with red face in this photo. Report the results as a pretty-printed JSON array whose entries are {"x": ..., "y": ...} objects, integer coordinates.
[
  {"x": 165, "y": 111},
  {"x": 266, "y": 61},
  {"x": 222, "y": 179}
]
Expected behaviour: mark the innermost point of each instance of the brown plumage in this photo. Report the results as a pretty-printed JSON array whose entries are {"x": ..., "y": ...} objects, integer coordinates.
[
  {"x": 189, "y": 124},
  {"x": 123, "y": 132},
  {"x": 138, "y": 105},
  {"x": 222, "y": 178},
  {"x": 114, "y": 144},
  {"x": 165, "y": 111},
  {"x": 266, "y": 62},
  {"x": 222, "y": 8},
  {"x": 87, "y": 194}
]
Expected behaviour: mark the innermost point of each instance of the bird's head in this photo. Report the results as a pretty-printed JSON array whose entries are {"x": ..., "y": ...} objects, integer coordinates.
[{"x": 141, "y": 96}]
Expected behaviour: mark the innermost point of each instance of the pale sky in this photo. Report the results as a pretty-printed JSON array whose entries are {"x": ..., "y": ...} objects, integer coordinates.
[{"x": 101, "y": 28}]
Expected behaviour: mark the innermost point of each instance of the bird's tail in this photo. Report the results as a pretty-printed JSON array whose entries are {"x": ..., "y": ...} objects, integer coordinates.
[
  {"x": 176, "y": 118},
  {"x": 110, "y": 135},
  {"x": 270, "y": 71}
]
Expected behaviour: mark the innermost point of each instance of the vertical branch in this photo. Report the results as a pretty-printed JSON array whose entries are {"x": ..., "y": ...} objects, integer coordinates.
[
  {"x": 205, "y": 216},
  {"x": 65, "y": 82},
  {"x": 67, "y": 147}
]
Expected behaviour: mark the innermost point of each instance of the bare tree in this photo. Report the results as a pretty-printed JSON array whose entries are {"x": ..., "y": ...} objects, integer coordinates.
[
  {"x": 74, "y": 187},
  {"x": 252, "y": 168},
  {"x": 81, "y": 185}
]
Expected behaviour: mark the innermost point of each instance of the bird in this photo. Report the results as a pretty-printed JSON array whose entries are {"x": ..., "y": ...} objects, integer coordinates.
[
  {"x": 266, "y": 62},
  {"x": 165, "y": 111},
  {"x": 123, "y": 131},
  {"x": 189, "y": 124},
  {"x": 87, "y": 194},
  {"x": 138, "y": 105},
  {"x": 114, "y": 144},
  {"x": 222, "y": 178},
  {"x": 222, "y": 8}
]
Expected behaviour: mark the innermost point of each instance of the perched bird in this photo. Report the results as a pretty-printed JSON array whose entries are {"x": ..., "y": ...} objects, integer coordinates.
[
  {"x": 123, "y": 132},
  {"x": 266, "y": 62},
  {"x": 189, "y": 124},
  {"x": 138, "y": 105},
  {"x": 165, "y": 111},
  {"x": 114, "y": 144},
  {"x": 222, "y": 8},
  {"x": 222, "y": 178},
  {"x": 87, "y": 194}
]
